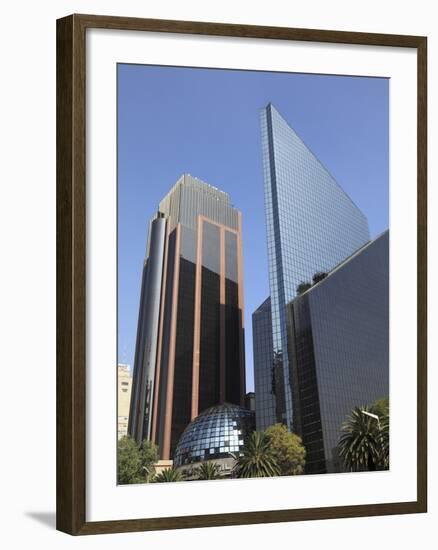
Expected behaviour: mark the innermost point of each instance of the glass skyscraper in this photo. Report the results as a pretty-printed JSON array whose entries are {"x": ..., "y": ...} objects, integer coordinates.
[
  {"x": 264, "y": 374},
  {"x": 190, "y": 343},
  {"x": 312, "y": 225},
  {"x": 339, "y": 350}
]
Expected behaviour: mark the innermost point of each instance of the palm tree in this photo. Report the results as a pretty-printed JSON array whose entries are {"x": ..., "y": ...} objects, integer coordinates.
[
  {"x": 169, "y": 474},
  {"x": 208, "y": 470},
  {"x": 364, "y": 442},
  {"x": 256, "y": 459},
  {"x": 384, "y": 442}
]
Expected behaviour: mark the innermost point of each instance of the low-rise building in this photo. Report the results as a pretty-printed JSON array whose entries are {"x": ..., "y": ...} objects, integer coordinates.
[{"x": 124, "y": 385}]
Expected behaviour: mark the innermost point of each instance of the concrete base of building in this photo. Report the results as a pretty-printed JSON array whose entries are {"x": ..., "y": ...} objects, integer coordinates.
[
  {"x": 162, "y": 465},
  {"x": 225, "y": 467}
]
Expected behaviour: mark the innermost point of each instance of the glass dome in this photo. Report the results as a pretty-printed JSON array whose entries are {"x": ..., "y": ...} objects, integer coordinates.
[{"x": 215, "y": 433}]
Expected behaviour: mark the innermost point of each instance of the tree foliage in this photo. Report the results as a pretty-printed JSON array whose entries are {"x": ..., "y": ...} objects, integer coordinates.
[
  {"x": 303, "y": 286},
  {"x": 135, "y": 464},
  {"x": 257, "y": 459},
  {"x": 364, "y": 443},
  {"x": 149, "y": 456},
  {"x": 128, "y": 462},
  {"x": 287, "y": 450},
  {"x": 208, "y": 470},
  {"x": 168, "y": 475},
  {"x": 381, "y": 408},
  {"x": 319, "y": 276}
]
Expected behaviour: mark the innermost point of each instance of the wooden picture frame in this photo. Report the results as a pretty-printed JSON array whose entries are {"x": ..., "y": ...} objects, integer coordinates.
[{"x": 71, "y": 273}]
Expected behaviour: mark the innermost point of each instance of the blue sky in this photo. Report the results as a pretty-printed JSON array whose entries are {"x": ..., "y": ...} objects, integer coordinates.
[{"x": 205, "y": 122}]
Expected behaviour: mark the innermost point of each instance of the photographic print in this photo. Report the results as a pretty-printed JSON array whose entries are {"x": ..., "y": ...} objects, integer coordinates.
[
  {"x": 241, "y": 274},
  {"x": 252, "y": 274}
]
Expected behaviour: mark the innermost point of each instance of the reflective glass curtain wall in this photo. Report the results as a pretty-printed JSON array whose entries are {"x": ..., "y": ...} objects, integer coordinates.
[
  {"x": 312, "y": 225},
  {"x": 264, "y": 377},
  {"x": 339, "y": 341}
]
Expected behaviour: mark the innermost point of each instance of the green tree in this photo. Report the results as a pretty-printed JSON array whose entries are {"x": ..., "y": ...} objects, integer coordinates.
[
  {"x": 364, "y": 444},
  {"x": 381, "y": 408},
  {"x": 149, "y": 456},
  {"x": 129, "y": 464},
  {"x": 303, "y": 286},
  {"x": 208, "y": 470},
  {"x": 256, "y": 459},
  {"x": 384, "y": 441},
  {"x": 135, "y": 464},
  {"x": 167, "y": 475},
  {"x": 287, "y": 450},
  {"x": 319, "y": 276}
]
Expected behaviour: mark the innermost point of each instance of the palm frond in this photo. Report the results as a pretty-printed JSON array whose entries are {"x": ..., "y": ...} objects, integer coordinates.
[
  {"x": 364, "y": 443},
  {"x": 256, "y": 459}
]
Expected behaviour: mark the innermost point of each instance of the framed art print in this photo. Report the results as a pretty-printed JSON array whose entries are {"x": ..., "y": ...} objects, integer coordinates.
[{"x": 241, "y": 274}]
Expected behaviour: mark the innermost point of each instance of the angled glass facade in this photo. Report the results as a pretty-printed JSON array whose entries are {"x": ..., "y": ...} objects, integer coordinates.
[
  {"x": 339, "y": 349},
  {"x": 312, "y": 225}
]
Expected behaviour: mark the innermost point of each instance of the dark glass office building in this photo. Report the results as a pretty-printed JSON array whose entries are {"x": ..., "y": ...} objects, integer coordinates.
[
  {"x": 190, "y": 342},
  {"x": 312, "y": 225},
  {"x": 264, "y": 371},
  {"x": 339, "y": 349}
]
